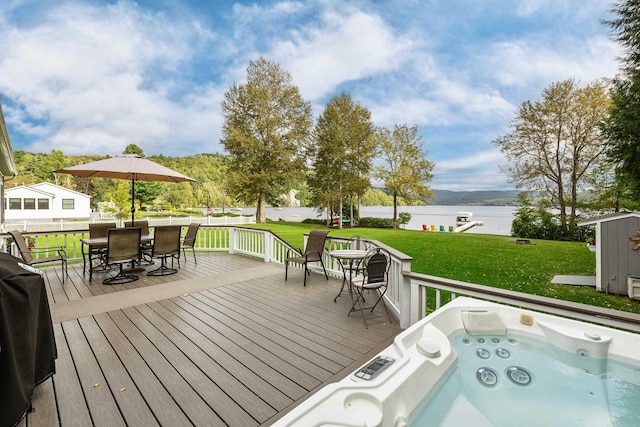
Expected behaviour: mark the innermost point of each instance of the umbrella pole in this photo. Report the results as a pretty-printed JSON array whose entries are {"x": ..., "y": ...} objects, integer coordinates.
[{"x": 133, "y": 199}]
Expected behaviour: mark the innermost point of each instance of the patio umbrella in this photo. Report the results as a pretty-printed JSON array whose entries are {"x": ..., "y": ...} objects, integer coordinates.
[{"x": 127, "y": 166}]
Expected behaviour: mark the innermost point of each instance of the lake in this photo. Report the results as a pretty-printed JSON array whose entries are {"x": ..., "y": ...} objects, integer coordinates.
[{"x": 497, "y": 219}]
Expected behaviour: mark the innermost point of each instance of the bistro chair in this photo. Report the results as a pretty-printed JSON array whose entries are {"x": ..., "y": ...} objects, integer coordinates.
[
  {"x": 123, "y": 246},
  {"x": 166, "y": 244},
  {"x": 312, "y": 253},
  {"x": 30, "y": 255},
  {"x": 375, "y": 277},
  {"x": 189, "y": 241},
  {"x": 98, "y": 251}
]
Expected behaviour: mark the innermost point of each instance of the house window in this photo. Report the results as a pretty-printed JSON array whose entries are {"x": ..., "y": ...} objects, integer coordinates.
[
  {"x": 68, "y": 203},
  {"x": 30, "y": 203},
  {"x": 43, "y": 204},
  {"x": 15, "y": 203}
]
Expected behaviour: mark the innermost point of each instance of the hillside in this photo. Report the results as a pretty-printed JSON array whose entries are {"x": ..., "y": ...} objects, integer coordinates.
[{"x": 474, "y": 198}]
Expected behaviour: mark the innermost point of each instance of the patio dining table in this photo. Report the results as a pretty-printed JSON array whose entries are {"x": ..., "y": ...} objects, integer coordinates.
[
  {"x": 347, "y": 258},
  {"x": 102, "y": 242}
]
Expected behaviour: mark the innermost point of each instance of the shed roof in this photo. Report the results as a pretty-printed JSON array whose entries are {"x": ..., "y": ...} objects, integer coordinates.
[{"x": 606, "y": 218}]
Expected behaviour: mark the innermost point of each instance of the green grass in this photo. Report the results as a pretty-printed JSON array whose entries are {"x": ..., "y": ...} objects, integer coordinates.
[{"x": 486, "y": 260}]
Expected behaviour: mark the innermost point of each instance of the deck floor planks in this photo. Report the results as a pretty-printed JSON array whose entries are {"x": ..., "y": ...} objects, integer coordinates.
[
  {"x": 221, "y": 336},
  {"x": 167, "y": 350},
  {"x": 325, "y": 332},
  {"x": 71, "y": 403},
  {"x": 102, "y": 406},
  {"x": 275, "y": 356},
  {"x": 185, "y": 400},
  {"x": 128, "y": 398},
  {"x": 258, "y": 397},
  {"x": 303, "y": 346},
  {"x": 227, "y": 409}
]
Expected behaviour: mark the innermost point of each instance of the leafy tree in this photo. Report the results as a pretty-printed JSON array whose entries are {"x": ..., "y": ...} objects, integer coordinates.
[
  {"x": 266, "y": 126},
  {"x": 133, "y": 149},
  {"x": 342, "y": 155},
  {"x": 555, "y": 144},
  {"x": 406, "y": 169},
  {"x": 622, "y": 128}
]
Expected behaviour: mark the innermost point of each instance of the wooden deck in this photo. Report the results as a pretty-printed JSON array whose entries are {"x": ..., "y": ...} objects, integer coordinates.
[{"x": 223, "y": 342}]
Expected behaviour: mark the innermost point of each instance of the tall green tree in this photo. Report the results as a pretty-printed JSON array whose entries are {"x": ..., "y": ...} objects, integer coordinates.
[
  {"x": 266, "y": 128},
  {"x": 342, "y": 155},
  {"x": 406, "y": 170},
  {"x": 555, "y": 144},
  {"x": 622, "y": 128}
]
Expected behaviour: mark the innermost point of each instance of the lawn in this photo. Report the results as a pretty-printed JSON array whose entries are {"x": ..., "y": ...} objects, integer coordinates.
[{"x": 486, "y": 260}]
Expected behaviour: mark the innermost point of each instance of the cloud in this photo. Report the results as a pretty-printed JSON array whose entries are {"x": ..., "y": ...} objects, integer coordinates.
[{"x": 100, "y": 78}]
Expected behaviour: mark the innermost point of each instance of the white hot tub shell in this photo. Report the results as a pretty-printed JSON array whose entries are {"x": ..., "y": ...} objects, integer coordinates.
[{"x": 423, "y": 355}]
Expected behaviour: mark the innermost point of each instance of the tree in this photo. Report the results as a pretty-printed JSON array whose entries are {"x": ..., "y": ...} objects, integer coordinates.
[
  {"x": 622, "y": 128},
  {"x": 406, "y": 169},
  {"x": 555, "y": 143},
  {"x": 342, "y": 155},
  {"x": 266, "y": 127}
]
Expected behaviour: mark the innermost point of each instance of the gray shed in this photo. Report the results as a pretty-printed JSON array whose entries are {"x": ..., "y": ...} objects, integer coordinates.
[{"x": 617, "y": 264}]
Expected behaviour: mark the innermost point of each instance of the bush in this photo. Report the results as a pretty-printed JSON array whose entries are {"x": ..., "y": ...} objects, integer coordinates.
[{"x": 376, "y": 222}]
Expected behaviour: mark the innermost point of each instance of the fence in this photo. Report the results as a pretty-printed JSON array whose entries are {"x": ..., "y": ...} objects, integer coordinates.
[{"x": 409, "y": 296}]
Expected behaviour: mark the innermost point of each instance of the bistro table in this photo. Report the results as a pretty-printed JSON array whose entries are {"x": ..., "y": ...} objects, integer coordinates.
[
  {"x": 347, "y": 258},
  {"x": 102, "y": 242}
]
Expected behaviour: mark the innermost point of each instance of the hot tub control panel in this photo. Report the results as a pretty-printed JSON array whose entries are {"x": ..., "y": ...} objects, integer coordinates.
[{"x": 374, "y": 368}]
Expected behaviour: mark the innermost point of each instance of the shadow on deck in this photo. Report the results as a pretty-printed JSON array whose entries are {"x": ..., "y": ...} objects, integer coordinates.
[{"x": 223, "y": 342}]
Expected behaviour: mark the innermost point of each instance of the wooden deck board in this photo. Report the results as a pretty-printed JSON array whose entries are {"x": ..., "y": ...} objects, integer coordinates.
[{"x": 234, "y": 344}]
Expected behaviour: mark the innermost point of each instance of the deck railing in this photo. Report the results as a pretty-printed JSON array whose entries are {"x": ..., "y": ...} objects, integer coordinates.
[{"x": 409, "y": 296}]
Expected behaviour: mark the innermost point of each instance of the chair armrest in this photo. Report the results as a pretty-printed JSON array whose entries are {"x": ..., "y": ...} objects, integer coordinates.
[
  {"x": 60, "y": 249},
  {"x": 297, "y": 251}
]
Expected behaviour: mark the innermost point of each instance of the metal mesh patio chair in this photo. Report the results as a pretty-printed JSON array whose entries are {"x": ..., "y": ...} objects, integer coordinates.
[
  {"x": 123, "y": 246},
  {"x": 312, "y": 253},
  {"x": 30, "y": 255},
  {"x": 98, "y": 230},
  {"x": 189, "y": 241},
  {"x": 166, "y": 244},
  {"x": 375, "y": 278}
]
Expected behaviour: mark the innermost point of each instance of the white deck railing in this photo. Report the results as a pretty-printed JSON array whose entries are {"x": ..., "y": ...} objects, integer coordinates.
[{"x": 409, "y": 295}]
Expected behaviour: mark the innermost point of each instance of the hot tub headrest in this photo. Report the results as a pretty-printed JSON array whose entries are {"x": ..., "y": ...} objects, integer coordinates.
[{"x": 483, "y": 323}]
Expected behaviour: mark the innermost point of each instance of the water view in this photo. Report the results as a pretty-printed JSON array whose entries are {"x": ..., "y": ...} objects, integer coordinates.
[{"x": 497, "y": 219}]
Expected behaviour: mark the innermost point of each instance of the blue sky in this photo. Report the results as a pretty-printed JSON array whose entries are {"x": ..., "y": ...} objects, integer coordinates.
[{"x": 91, "y": 77}]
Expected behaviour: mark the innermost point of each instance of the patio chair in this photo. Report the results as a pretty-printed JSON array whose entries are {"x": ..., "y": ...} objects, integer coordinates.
[
  {"x": 166, "y": 244},
  {"x": 189, "y": 241},
  {"x": 98, "y": 230},
  {"x": 123, "y": 246},
  {"x": 357, "y": 243},
  {"x": 145, "y": 250},
  {"x": 30, "y": 255},
  {"x": 375, "y": 278},
  {"x": 312, "y": 253}
]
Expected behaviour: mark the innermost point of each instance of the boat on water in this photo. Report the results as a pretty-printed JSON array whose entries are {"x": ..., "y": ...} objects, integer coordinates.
[{"x": 465, "y": 222}]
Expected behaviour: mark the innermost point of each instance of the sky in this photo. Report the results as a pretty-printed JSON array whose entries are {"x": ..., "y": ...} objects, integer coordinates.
[{"x": 91, "y": 77}]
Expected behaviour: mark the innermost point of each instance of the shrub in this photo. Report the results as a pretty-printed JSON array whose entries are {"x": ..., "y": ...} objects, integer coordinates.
[{"x": 376, "y": 222}]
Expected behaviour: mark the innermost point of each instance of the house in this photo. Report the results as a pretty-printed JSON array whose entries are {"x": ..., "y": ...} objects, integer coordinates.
[
  {"x": 7, "y": 166},
  {"x": 617, "y": 262},
  {"x": 45, "y": 201}
]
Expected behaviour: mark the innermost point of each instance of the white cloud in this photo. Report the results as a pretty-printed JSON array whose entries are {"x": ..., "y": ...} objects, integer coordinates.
[{"x": 343, "y": 46}]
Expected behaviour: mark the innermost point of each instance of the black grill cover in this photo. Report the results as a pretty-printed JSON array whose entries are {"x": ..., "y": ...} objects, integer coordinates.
[{"x": 27, "y": 343}]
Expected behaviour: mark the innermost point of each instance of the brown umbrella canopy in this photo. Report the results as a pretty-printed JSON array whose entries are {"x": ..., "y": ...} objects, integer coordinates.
[{"x": 128, "y": 166}]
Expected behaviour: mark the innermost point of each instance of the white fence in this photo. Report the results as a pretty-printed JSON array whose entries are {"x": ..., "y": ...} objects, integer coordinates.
[{"x": 409, "y": 296}]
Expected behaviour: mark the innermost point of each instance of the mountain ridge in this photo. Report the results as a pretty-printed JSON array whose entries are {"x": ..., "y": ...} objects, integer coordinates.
[{"x": 474, "y": 198}]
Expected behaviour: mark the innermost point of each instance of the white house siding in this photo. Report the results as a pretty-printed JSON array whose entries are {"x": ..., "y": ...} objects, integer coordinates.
[{"x": 62, "y": 203}]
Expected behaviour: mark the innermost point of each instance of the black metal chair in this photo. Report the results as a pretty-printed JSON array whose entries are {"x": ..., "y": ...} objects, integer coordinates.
[
  {"x": 123, "y": 246},
  {"x": 189, "y": 241},
  {"x": 145, "y": 248},
  {"x": 30, "y": 255},
  {"x": 99, "y": 251},
  {"x": 312, "y": 253},
  {"x": 166, "y": 244},
  {"x": 375, "y": 277}
]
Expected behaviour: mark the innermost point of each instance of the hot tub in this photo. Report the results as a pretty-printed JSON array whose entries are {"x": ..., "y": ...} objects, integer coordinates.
[{"x": 493, "y": 365}]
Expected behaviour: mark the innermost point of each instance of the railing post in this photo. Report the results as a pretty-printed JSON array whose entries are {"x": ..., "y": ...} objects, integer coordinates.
[
  {"x": 409, "y": 294},
  {"x": 268, "y": 246},
  {"x": 232, "y": 240}
]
